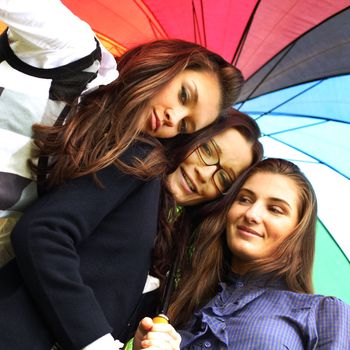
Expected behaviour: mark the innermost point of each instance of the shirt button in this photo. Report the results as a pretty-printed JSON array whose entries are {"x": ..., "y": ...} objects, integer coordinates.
[
  {"x": 207, "y": 344},
  {"x": 240, "y": 284}
]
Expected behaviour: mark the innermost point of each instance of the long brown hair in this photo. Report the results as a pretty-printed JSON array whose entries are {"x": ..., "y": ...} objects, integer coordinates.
[
  {"x": 177, "y": 226},
  {"x": 106, "y": 121},
  {"x": 210, "y": 261}
]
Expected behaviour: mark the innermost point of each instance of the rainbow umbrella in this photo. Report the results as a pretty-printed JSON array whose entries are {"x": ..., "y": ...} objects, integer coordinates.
[{"x": 294, "y": 55}]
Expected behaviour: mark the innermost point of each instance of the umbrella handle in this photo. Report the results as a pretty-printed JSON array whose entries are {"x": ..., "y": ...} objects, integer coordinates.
[{"x": 161, "y": 318}]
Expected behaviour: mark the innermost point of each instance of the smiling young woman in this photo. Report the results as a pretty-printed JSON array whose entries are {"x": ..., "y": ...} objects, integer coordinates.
[
  {"x": 249, "y": 281},
  {"x": 258, "y": 270},
  {"x": 195, "y": 181},
  {"x": 264, "y": 213}
]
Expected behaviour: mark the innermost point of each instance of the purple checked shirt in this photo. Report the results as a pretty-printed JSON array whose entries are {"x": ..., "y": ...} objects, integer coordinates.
[{"x": 253, "y": 314}]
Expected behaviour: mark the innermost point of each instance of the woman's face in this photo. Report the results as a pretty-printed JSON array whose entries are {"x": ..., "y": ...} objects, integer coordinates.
[
  {"x": 186, "y": 104},
  {"x": 194, "y": 182},
  {"x": 264, "y": 213}
]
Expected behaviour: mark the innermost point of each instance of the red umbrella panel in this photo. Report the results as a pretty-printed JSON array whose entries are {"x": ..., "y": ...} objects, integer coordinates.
[{"x": 247, "y": 33}]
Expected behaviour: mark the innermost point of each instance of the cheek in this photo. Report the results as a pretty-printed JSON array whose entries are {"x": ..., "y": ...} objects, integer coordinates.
[
  {"x": 233, "y": 214},
  {"x": 191, "y": 159},
  {"x": 280, "y": 230}
]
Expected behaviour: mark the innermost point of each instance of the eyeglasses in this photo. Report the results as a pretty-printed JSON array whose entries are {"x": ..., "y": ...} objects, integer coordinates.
[{"x": 209, "y": 154}]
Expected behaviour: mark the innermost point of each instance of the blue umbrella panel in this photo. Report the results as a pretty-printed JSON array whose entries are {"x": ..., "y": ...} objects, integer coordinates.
[{"x": 309, "y": 125}]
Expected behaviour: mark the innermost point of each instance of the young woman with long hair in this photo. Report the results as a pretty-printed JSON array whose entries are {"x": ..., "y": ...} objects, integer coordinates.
[
  {"x": 83, "y": 249},
  {"x": 248, "y": 282},
  {"x": 194, "y": 188},
  {"x": 55, "y": 74}
]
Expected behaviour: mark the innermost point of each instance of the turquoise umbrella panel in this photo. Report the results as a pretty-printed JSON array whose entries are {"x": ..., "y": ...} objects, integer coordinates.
[{"x": 331, "y": 267}]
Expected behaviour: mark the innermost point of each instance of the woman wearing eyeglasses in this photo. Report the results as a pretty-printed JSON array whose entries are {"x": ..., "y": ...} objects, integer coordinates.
[
  {"x": 61, "y": 253},
  {"x": 217, "y": 159}
]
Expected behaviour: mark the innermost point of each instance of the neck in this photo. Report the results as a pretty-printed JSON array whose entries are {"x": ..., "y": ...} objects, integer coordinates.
[{"x": 240, "y": 267}]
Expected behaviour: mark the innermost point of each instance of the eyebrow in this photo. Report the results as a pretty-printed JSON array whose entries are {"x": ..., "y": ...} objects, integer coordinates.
[
  {"x": 191, "y": 85},
  {"x": 218, "y": 148},
  {"x": 274, "y": 199},
  {"x": 194, "y": 89},
  {"x": 279, "y": 200}
]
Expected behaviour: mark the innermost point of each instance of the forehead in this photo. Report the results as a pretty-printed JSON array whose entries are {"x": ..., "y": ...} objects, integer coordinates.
[
  {"x": 274, "y": 186},
  {"x": 207, "y": 106},
  {"x": 235, "y": 150}
]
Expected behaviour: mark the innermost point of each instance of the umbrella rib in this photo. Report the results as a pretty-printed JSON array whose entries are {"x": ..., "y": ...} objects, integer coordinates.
[
  {"x": 295, "y": 41},
  {"x": 291, "y": 98},
  {"x": 202, "y": 38},
  {"x": 297, "y": 128},
  {"x": 333, "y": 239},
  {"x": 268, "y": 73},
  {"x": 311, "y": 156},
  {"x": 158, "y": 30},
  {"x": 239, "y": 48},
  {"x": 203, "y": 25},
  {"x": 298, "y": 116}
]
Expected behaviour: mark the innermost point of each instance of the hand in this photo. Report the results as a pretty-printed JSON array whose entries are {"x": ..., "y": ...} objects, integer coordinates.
[{"x": 153, "y": 336}]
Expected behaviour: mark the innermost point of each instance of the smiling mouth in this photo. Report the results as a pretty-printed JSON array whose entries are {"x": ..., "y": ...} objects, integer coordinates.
[
  {"x": 189, "y": 182},
  {"x": 249, "y": 231}
]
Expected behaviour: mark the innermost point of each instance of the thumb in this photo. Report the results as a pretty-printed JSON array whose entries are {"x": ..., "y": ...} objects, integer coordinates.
[{"x": 145, "y": 326}]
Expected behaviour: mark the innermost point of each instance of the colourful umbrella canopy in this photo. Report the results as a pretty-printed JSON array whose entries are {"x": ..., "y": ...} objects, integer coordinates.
[{"x": 294, "y": 55}]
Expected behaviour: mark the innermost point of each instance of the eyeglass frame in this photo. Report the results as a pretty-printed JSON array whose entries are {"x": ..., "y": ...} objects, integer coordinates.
[{"x": 217, "y": 163}]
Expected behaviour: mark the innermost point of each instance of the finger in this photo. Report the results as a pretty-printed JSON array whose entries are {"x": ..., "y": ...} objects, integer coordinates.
[
  {"x": 159, "y": 344},
  {"x": 157, "y": 338},
  {"x": 166, "y": 328},
  {"x": 145, "y": 326}
]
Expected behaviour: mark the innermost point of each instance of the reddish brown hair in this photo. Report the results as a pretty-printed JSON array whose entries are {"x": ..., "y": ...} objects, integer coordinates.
[
  {"x": 171, "y": 241},
  {"x": 106, "y": 121},
  {"x": 211, "y": 259}
]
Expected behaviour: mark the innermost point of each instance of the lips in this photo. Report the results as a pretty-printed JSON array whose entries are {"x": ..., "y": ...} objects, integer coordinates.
[
  {"x": 190, "y": 184},
  {"x": 155, "y": 122},
  {"x": 248, "y": 231}
]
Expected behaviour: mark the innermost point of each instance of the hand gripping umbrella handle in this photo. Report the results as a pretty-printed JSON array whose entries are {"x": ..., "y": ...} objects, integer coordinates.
[
  {"x": 169, "y": 286},
  {"x": 161, "y": 318}
]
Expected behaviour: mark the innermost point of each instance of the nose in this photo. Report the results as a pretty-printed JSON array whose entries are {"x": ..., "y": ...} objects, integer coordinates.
[
  {"x": 205, "y": 172},
  {"x": 253, "y": 214},
  {"x": 173, "y": 116}
]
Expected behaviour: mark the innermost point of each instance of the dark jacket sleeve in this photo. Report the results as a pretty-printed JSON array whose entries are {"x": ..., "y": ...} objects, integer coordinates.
[{"x": 46, "y": 243}]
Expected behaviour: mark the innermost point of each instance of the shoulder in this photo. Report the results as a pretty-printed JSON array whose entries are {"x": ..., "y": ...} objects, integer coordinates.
[
  {"x": 138, "y": 150},
  {"x": 331, "y": 306},
  {"x": 322, "y": 307}
]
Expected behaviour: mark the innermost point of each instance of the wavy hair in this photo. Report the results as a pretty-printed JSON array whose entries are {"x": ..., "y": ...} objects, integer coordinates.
[
  {"x": 211, "y": 259},
  {"x": 177, "y": 226},
  {"x": 106, "y": 121}
]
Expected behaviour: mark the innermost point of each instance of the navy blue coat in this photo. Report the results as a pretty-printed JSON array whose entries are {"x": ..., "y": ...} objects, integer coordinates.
[{"x": 83, "y": 254}]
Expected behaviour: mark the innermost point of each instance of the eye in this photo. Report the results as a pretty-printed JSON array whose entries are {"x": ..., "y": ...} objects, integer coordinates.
[
  {"x": 207, "y": 149},
  {"x": 243, "y": 199},
  {"x": 224, "y": 180},
  {"x": 183, "y": 95},
  {"x": 276, "y": 209},
  {"x": 183, "y": 126}
]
